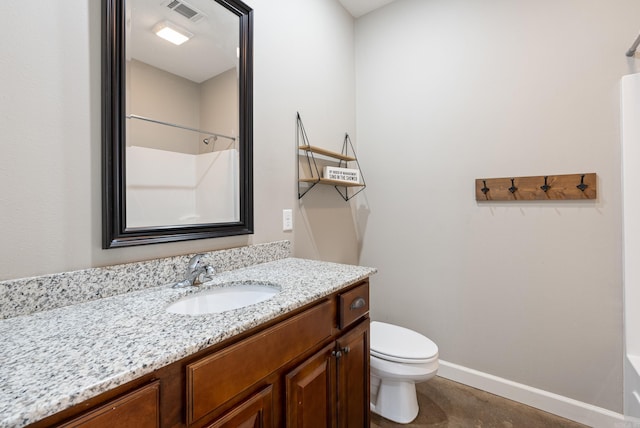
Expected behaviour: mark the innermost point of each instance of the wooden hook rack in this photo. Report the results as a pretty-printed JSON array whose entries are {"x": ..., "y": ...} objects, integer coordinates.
[{"x": 537, "y": 188}]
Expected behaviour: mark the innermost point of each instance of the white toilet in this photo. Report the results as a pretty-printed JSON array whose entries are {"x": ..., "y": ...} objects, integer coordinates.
[{"x": 400, "y": 358}]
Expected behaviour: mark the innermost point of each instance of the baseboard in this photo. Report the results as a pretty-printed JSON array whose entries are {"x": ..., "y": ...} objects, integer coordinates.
[{"x": 565, "y": 407}]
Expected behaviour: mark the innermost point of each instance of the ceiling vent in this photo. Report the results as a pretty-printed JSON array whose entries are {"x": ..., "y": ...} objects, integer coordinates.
[{"x": 186, "y": 10}]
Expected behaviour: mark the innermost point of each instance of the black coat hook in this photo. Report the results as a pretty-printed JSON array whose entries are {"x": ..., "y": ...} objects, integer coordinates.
[
  {"x": 546, "y": 186},
  {"x": 513, "y": 187},
  {"x": 582, "y": 186},
  {"x": 485, "y": 189}
]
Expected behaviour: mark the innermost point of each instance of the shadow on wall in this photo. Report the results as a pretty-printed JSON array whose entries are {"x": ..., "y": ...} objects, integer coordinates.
[
  {"x": 331, "y": 232},
  {"x": 362, "y": 212}
]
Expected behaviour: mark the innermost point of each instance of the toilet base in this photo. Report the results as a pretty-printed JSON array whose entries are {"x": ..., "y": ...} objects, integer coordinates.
[{"x": 396, "y": 401}]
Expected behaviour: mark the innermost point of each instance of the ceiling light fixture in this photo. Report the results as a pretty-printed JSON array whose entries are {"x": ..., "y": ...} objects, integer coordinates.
[{"x": 172, "y": 32}]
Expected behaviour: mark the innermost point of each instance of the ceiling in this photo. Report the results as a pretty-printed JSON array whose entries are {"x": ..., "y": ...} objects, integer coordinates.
[
  {"x": 357, "y": 8},
  {"x": 212, "y": 50}
]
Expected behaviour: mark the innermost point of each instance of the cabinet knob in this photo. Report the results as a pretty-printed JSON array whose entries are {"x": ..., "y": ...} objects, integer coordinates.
[{"x": 340, "y": 352}]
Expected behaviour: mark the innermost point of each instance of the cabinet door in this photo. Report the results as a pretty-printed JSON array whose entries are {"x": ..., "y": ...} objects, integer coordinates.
[
  {"x": 310, "y": 391},
  {"x": 256, "y": 412},
  {"x": 353, "y": 377}
]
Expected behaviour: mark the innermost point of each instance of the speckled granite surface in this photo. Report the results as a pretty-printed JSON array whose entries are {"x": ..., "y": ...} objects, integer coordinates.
[
  {"x": 28, "y": 295},
  {"x": 53, "y": 359}
]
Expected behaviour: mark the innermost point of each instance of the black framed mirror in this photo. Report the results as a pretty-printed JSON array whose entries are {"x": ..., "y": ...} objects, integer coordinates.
[{"x": 177, "y": 121}]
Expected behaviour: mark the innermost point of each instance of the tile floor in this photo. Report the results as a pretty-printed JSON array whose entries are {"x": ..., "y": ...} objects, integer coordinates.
[{"x": 444, "y": 403}]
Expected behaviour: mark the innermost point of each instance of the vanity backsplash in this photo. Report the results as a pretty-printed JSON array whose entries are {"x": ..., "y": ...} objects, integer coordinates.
[{"x": 25, "y": 296}]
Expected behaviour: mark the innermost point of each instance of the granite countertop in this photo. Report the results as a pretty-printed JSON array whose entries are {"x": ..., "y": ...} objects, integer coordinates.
[{"x": 55, "y": 359}]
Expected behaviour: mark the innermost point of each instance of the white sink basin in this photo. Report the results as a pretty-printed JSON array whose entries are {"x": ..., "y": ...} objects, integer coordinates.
[{"x": 224, "y": 298}]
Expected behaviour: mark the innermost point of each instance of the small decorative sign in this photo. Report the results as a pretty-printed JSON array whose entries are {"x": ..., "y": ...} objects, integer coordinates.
[{"x": 342, "y": 174}]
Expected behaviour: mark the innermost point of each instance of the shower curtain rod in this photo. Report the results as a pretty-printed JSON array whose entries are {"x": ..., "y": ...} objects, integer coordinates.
[
  {"x": 135, "y": 116},
  {"x": 634, "y": 46}
]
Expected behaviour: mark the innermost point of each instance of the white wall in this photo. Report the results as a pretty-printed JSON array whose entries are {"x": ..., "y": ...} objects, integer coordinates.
[
  {"x": 166, "y": 187},
  {"x": 50, "y": 112},
  {"x": 158, "y": 94},
  {"x": 161, "y": 187},
  {"x": 304, "y": 62},
  {"x": 453, "y": 90},
  {"x": 211, "y": 106},
  {"x": 218, "y": 109}
]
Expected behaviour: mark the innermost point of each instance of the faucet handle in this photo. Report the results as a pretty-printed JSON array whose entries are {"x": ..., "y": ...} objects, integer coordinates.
[
  {"x": 193, "y": 262},
  {"x": 203, "y": 274},
  {"x": 209, "y": 273},
  {"x": 196, "y": 273}
]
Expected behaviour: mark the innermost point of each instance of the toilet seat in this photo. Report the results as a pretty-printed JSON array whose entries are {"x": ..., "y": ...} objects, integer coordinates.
[{"x": 399, "y": 344}]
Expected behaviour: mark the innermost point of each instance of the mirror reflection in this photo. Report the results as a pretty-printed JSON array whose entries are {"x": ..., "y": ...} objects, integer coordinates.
[
  {"x": 182, "y": 139},
  {"x": 177, "y": 120}
]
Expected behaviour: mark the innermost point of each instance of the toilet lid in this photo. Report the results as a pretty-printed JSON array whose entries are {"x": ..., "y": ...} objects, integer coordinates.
[{"x": 397, "y": 343}]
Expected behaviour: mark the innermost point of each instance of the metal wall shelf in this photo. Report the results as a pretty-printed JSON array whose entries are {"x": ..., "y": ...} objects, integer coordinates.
[
  {"x": 328, "y": 153},
  {"x": 306, "y": 154}
]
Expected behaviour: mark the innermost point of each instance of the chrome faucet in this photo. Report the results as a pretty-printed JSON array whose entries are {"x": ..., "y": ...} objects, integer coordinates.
[{"x": 196, "y": 273}]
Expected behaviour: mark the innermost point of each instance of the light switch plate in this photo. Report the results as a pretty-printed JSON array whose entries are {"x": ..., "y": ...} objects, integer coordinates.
[{"x": 287, "y": 220}]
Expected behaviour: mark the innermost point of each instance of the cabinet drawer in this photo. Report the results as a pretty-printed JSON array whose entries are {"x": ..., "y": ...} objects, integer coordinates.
[
  {"x": 353, "y": 304},
  {"x": 219, "y": 377},
  {"x": 136, "y": 409}
]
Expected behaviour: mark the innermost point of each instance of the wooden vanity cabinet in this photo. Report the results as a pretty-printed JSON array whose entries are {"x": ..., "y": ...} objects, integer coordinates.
[
  {"x": 331, "y": 388},
  {"x": 308, "y": 368},
  {"x": 213, "y": 380}
]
